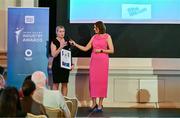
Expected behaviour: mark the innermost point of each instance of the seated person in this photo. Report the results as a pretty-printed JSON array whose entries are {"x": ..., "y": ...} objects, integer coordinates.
[
  {"x": 54, "y": 96},
  {"x": 74, "y": 105},
  {"x": 10, "y": 103},
  {"x": 28, "y": 104},
  {"x": 20, "y": 90},
  {"x": 2, "y": 82}
]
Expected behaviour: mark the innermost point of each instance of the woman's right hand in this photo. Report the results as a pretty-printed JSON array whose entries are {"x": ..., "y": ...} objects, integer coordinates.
[{"x": 63, "y": 44}]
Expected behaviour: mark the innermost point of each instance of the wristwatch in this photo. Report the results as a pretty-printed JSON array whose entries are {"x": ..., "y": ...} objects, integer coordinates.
[{"x": 101, "y": 51}]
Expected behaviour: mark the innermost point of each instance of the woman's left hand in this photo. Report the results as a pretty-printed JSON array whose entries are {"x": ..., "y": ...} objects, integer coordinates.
[
  {"x": 72, "y": 67},
  {"x": 97, "y": 50}
]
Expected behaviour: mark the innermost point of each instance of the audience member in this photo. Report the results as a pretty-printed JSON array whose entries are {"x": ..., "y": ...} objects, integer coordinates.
[
  {"x": 28, "y": 104},
  {"x": 10, "y": 103},
  {"x": 56, "y": 98},
  {"x": 2, "y": 82},
  {"x": 20, "y": 90}
]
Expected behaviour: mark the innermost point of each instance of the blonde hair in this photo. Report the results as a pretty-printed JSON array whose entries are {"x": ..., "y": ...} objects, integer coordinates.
[{"x": 59, "y": 27}]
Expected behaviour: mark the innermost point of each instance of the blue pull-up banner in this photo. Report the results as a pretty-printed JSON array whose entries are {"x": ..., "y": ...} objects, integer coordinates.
[{"x": 28, "y": 35}]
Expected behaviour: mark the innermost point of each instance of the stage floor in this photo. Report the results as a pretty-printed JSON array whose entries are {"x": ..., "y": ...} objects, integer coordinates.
[{"x": 131, "y": 112}]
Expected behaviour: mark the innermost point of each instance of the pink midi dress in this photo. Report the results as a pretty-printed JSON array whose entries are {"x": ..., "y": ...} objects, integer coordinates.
[{"x": 99, "y": 66}]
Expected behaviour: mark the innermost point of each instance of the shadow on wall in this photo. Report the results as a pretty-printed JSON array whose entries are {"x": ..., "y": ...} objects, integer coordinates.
[
  {"x": 82, "y": 79},
  {"x": 82, "y": 83},
  {"x": 143, "y": 98},
  {"x": 49, "y": 70}
]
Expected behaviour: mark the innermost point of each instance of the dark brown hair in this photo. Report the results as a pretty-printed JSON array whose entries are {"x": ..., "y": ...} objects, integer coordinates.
[
  {"x": 9, "y": 102},
  {"x": 100, "y": 25},
  {"x": 28, "y": 87}
]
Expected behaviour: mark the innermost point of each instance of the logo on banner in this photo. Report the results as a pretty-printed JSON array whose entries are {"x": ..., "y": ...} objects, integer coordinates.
[
  {"x": 28, "y": 54},
  {"x": 29, "y": 19},
  {"x": 17, "y": 33},
  {"x": 136, "y": 11}
]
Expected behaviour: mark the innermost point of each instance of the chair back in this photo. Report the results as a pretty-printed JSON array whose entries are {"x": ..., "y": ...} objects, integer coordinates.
[
  {"x": 74, "y": 108},
  {"x": 54, "y": 112},
  {"x": 30, "y": 115}
]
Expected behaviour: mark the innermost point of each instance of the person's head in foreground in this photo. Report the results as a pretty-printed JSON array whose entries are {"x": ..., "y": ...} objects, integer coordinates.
[{"x": 39, "y": 78}]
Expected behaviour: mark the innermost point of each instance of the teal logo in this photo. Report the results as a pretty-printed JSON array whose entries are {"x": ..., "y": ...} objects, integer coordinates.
[{"x": 134, "y": 11}]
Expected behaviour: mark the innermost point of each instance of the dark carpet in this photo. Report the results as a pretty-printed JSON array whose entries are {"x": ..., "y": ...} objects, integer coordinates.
[{"x": 131, "y": 112}]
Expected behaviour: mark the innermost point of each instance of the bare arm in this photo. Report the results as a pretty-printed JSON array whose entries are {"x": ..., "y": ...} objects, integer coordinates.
[
  {"x": 110, "y": 49},
  {"x": 110, "y": 46},
  {"x": 83, "y": 48},
  {"x": 55, "y": 51}
]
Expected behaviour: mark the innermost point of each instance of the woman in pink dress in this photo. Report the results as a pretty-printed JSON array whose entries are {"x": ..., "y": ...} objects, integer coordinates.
[{"x": 102, "y": 45}]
